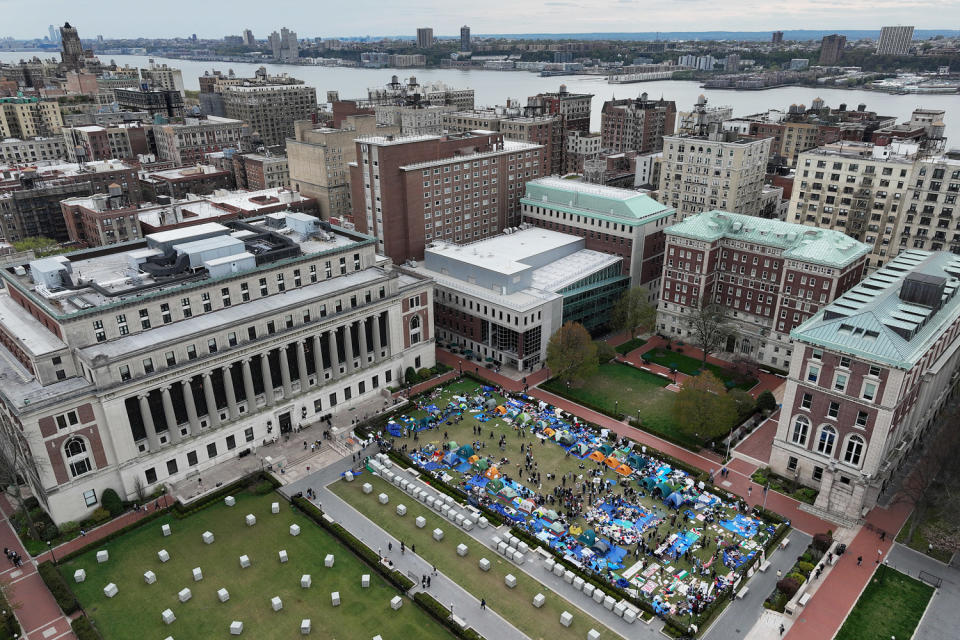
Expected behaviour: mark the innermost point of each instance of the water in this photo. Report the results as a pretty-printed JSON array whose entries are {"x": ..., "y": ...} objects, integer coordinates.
[{"x": 495, "y": 87}]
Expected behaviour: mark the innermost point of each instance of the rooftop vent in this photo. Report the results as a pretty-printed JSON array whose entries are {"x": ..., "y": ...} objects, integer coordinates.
[{"x": 923, "y": 289}]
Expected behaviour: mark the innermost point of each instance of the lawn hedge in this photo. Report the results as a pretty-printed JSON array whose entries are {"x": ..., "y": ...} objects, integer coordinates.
[
  {"x": 58, "y": 586},
  {"x": 84, "y": 630},
  {"x": 9, "y": 625},
  {"x": 431, "y": 605}
]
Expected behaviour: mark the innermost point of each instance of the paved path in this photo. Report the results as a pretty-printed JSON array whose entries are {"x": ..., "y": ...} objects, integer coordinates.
[
  {"x": 942, "y": 619},
  {"x": 758, "y": 445}
]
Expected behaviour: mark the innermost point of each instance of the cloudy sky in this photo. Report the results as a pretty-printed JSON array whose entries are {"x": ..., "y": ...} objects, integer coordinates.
[{"x": 326, "y": 18}]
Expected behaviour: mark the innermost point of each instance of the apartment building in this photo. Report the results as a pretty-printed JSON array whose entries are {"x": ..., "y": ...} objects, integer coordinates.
[
  {"x": 542, "y": 130},
  {"x": 573, "y": 109},
  {"x": 410, "y": 190},
  {"x": 188, "y": 143},
  {"x": 932, "y": 220},
  {"x": 637, "y": 124},
  {"x": 165, "y": 103},
  {"x": 284, "y": 45},
  {"x": 580, "y": 147},
  {"x": 858, "y": 188},
  {"x": 319, "y": 160},
  {"x": 413, "y": 120},
  {"x": 430, "y": 93},
  {"x": 771, "y": 276},
  {"x": 256, "y": 171},
  {"x": 895, "y": 41},
  {"x": 194, "y": 346},
  {"x": 93, "y": 142},
  {"x": 721, "y": 170},
  {"x": 424, "y": 37},
  {"x": 176, "y": 183},
  {"x": 17, "y": 151},
  {"x": 271, "y": 110},
  {"x": 100, "y": 220},
  {"x": 29, "y": 118},
  {"x": 870, "y": 376},
  {"x": 831, "y": 48},
  {"x": 170, "y": 214},
  {"x": 620, "y": 222},
  {"x": 161, "y": 76}
]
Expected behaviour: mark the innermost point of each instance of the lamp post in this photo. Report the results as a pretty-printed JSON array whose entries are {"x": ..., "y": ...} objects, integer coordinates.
[
  {"x": 765, "y": 488},
  {"x": 50, "y": 549},
  {"x": 616, "y": 407}
]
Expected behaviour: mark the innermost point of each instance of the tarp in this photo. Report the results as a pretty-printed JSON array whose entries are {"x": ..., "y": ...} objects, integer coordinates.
[
  {"x": 466, "y": 451},
  {"x": 601, "y": 546},
  {"x": 490, "y": 403},
  {"x": 612, "y": 462},
  {"x": 492, "y": 473},
  {"x": 597, "y": 456},
  {"x": 588, "y": 537},
  {"x": 450, "y": 458},
  {"x": 624, "y": 470}
]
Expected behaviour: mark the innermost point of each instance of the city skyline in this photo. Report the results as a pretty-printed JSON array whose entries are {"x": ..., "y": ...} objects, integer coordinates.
[{"x": 544, "y": 16}]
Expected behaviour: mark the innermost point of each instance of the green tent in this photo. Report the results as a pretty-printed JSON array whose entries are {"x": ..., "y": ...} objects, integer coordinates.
[
  {"x": 606, "y": 449},
  {"x": 549, "y": 514},
  {"x": 567, "y": 438},
  {"x": 557, "y": 528},
  {"x": 482, "y": 465},
  {"x": 452, "y": 445},
  {"x": 665, "y": 489},
  {"x": 495, "y": 485},
  {"x": 635, "y": 462},
  {"x": 466, "y": 451},
  {"x": 508, "y": 493},
  {"x": 588, "y": 537},
  {"x": 649, "y": 482},
  {"x": 523, "y": 418}
]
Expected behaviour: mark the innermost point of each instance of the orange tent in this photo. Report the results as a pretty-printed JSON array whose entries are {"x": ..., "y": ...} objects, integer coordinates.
[
  {"x": 501, "y": 410},
  {"x": 624, "y": 470},
  {"x": 596, "y": 456},
  {"x": 612, "y": 462},
  {"x": 473, "y": 459},
  {"x": 492, "y": 473},
  {"x": 548, "y": 432}
]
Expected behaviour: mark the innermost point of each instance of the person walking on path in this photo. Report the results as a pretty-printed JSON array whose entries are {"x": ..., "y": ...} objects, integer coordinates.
[
  {"x": 483, "y": 604},
  {"x": 389, "y": 547},
  {"x": 859, "y": 560},
  {"x": 783, "y": 629}
]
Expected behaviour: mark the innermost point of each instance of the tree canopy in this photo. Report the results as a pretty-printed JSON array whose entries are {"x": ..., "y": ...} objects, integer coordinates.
[
  {"x": 703, "y": 408},
  {"x": 709, "y": 328},
  {"x": 571, "y": 353},
  {"x": 633, "y": 311}
]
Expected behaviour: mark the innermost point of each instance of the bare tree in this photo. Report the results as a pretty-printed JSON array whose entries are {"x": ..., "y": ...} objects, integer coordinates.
[
  {"x": 709, "y": 327},
  {"x": 17, "y": 464},
  {"x": 633, "y": 311}
]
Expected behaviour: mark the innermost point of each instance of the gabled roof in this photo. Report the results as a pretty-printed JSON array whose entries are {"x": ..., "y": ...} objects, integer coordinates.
[
  {"x": 881, "y": 321},
  {"x": 598, "y": 201}
]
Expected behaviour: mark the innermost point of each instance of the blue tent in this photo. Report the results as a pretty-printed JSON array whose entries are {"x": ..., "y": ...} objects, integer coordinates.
[
  {"x": 675, "y": 499},
  {"x": 450, "y": 458}
]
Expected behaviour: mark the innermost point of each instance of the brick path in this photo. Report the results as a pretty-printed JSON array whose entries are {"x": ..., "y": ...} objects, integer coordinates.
[{"x": 758, "y": 445}]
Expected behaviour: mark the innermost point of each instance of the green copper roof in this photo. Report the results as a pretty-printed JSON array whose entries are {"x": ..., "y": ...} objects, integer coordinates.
[
  {"x": 799, "y": 242},
  {"x": 880, "y": 321},
  {"x": 624, "y": 206}
]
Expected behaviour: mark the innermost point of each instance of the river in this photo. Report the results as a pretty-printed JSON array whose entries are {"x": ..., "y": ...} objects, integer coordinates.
[{"x": 495, "y": 87}]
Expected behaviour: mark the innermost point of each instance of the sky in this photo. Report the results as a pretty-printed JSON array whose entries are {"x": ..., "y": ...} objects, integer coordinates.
[{"x": 327, "y": 18}]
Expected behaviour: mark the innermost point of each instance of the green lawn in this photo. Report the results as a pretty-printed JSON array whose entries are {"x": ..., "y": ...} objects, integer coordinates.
[
  {"x": 618, "y": 387},
  {"x": 515, "y": 605},
  {"x": 691, "y": 366},
  {"x": 890, "y": 606},
  {"x": 630, "y": 345},
  {"x": 134, "y": 613}
]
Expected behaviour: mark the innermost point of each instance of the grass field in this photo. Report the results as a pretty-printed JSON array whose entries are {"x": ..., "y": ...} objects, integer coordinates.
[
  {"x": 515, "y": 604},
  {"x": 890, "y": 606},
  {"x": 690, "y": 366},
  {"x": 134, "y": 613}
]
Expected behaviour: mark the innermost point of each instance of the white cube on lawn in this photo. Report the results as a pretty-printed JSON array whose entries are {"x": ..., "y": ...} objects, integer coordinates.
[
  {"x": 251, "y": 519},
  {"x": 568, "y": 577},
  {"x": 566, "y": 618},
  {"x": 294, "y": 529},
  {"x": 236, "y": 628},
  {"x": 168, "y": 616},
  {"x": 421, "y": 522},
  {"x": 283, "y": 555},
  {"x": 276, "y": 603},
  {"x": 367, "y": 487},
  {"x": 305, "y": 626},
  {"x": 510, "y": 580},
  {"x": 79, "y": 575},
  {"x": 593, "y": 634},
  {"x": 396, "y": 602},
  {"x": 348, "y": 476},
  {"x": 365, "y": 581},
  {"x": 519, "y": 558},
  {"x": 306, "y": 581},
  {"x": 163, "y": 555},
  {"x": 244, "y": 561},
  {"x": 197, "y": 574},
  {"x": 207, "y": 537},
  {"x": 229, "y": 501},
  {"x": 165, "y": 529},
  {"x": 110, "y": 590},
  {"x": 484, "y": 564},
  {"x": 401, "y": 509},
  {"x": 185, "y": 594},
  {"x": 274, "y": 507},
  {"x": 538, "y": 600},
  {"x": 223, "y": 595},
  {"x": 461, "y": 549},
  {"x": 328, "y": 560},
  {"x": 335, "y": 598},
  {"x": 103, "y": 556},
  {"x": 438, "y": 534},
  {"x": 482, "y": 522}
]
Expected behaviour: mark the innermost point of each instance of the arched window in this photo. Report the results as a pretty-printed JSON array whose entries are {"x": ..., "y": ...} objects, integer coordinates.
[
  {"x": 828, "y": 438},
  {"x": 854, "y": 450},
  {"x": 75, "y": 450},
  {"x": 801, "y": 429},
  {"x": 415, "y": 330}
]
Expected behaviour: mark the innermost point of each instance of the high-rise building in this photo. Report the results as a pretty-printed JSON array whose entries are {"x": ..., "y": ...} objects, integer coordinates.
[
  {"x": 699, "y": 119},
  {"x": 831, "y": 48},
  {"x": 770, "y": 275},
  {"x": 408, "y": 191},
  {"x": 121, "y": 390},
  {"x": 870, "y": 375},
  {"x": 464, "y": 38},
  {"x": 894, "y": 41},
  {"x": 25, "y": 118},
  {"x": 248, "y": 38},
  {"x": 187, "y": 143},
  {"x": 424, "y": 38},
  {"x": 54, "y": 35},
  {"x": 777, "y": 37},
  {"x": 574, "y": 112},
  {"x": 637, "y": 125},
  {"x": 71, "y": 48},
  {"x": 284, "y": 45},
  {"x": 271, "y": 110},
  {"x": 160, "y": 76},
  {"x": 932, "y": 219},
  {"x": 166, "y": 103}
]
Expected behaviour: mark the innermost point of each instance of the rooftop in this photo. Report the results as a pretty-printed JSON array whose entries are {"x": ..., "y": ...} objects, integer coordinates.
[
  {"x": 799, "y": 242},
  {"x": 895, "y": 315},
  {"x": 508, "y": 146},
  {"x": 223, "y": 203},
  {"x": 607, "y": 203},
  {"x": 181, "y": 172},
  {"x": 505, "y": 254}
]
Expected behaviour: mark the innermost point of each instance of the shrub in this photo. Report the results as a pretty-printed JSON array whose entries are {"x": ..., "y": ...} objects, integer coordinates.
[
  {"x": 99, "y": 516},
  {"x": 84, "y": 629},
  {"x": 261, "y": 488},
  {"x": 111, "y": 502},
  {"x": 58, "y": 587},
  {"x": 822, "y": 542},
  {"x": 605, "y": 353},
  {"x": 424, "y": 374},
  {"x": 410, "y": 375},
  {"x": 766, "y": 401},
  {"x": 788, "y": 586},
  {"x": 805, "y": 568},
  {"x": 798, "y": 577},
  {"x": 69, "y": 528},
  {"x": 430, "y": 604},
  {"x": 806, "y": 557}
]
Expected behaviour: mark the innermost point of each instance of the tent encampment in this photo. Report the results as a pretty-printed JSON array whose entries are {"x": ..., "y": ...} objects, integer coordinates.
[
  {"x": 492, "y": 473},
  {"x": 450, "y": 458},
  {"x": 624, "y": 470},
  {"x": 675, "y": 499},
  {"x": 612, "y": 462},
  {"x": 481, "y": 464},
  {"x": 597, "y": 456},
  {"x": 495, "y": 484},
  {"x": 664, "y": 489},
  {"x": 606, "y": 449}
]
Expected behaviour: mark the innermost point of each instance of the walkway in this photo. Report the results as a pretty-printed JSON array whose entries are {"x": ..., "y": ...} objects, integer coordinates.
[
  {"x": 942, "y": 618},
  {"x": 756, "y": 447}
]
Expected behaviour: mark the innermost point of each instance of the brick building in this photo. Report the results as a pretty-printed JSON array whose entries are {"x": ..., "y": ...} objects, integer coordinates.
[
  {"x": 637, "y": 124},
  {"x": 769, "y": 275},
  {"x": 93, "y": 142},
  {"x": 188, "y": 143},
  {"x": 100, "y": 220},
  {"x": 177, "y": 183}
]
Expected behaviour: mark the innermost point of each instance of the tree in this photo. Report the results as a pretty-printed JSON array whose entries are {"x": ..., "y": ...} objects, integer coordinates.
[
  {"x": 16, "y": 465},
  {"x": 703, "y": 409},
  {"x": 605, "y": 352},
  {"x": 766, "y": 401},
  {"x": 632, "y": 312},
  {"x": 709, "y": 328},
  {"x": 571, "y": 353}
]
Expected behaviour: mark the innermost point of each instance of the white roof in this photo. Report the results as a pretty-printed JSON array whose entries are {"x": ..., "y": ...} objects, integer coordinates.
[
  {"x": 505, "y": 253},
  {"x": 162, "y": 237}
]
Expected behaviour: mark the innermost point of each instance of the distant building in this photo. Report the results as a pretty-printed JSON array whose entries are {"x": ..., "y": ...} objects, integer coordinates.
[
  {"x": 176, "y": 183},
  {"x": 895, "y": 41},
  {"x": 256, "y": 171},
  {"x": 188, "y": 143},
  {"x": 17, "y": 151},
  {"x": 573, "y": 109},
  {"x": 29, "y": 118},
  {"x": 424, "y": 38},
  {"x": 160, "y": 76},
  {"x": 100, "y": 220},
  {"x": 284, "y": 45},
  {"x": 413, "y": 120},
  {"x": 777, "y": 37},
  {"x": 831, "y": 49},
  {"x": 799, "y": 64},
  {"x": 542, "y": 130},
  {"x": 71, "y": 48},
  {"x": 580, "y": 147},
  {"x": 92, "y": 142},
  {"x": 464, "y": 38},
  {"x": 247, "y": 38},
  {"x": 637, "y": 125},
  {"x": 403, "y": 60},
  {"x": 166, "y": 103},
  {"x": 221, "y": 207}
]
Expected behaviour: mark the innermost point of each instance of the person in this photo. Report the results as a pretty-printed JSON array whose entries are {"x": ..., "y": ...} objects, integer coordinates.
[
  {"x": 413, "y": 548},
  {"x": 859, "y": 560},
  {"x": 779, "y": 574},
  {"x": 428, "y": 582},
  {"x": 403, "y": 547},
  {"x": 483, "y": 604},
  {"x": 389, "y": 547},
  {"x": 783, "y": 629},
  {"x": 749, "y": 491}
]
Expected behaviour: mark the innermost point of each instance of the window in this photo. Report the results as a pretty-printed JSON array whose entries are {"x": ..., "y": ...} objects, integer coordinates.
[
  {"x": 854, "y": 450},
  {"x": 191, "y": 352},
  {"x": 78, "y": 460},
  {"x": 192, "y": 458},
  {"x": 124, "y": 372},
  {"x": 185, "y": 305},
  {"x": 212, "y": 450},
  {"x": 165, "y": 316},
  {"x": 869, "y": 391},
  {"x": 875, "y": 371},
  {"x": 840, "y": 382},
  {"x": 845, "y": 362},
  {"x": 67, "y": 419},
  {"x": 806, "y": 401},
  {"x": 144, "y": 319},
  {"x": 792, "y": 463},
  {"x": 801, "y": 429},
  {"x": 813, "y": 373},
  {"x": 232, "y": 338},
  {"x": 171, "y": 467},
  {"x": 150, "y": 475},
  {"x": 862, "y": 418},
  {"x": 333, "y": 399},
  {"x": 834, "y": 410},
  {"x": 415, "y": 330},
  {"x": 98, "y": 328},
  {"x": 248, "y": 434},
  {"x": 817, "y": 474},
  {"x": 148, "y": 365},
  {"x": 828, "y": 437},
  {"x": 212, "y": 345},
  {"x": 231, "y": 442},
  {"x": 170, "y": 358},
  {"x": 90, "y": 497}
]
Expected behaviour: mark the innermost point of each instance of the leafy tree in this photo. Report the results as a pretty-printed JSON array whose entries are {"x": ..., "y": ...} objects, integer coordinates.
[
  {"x": 702, "y": 408},
  {"x": 767, "y": 401},
  {"x": 16, "y": 465},
  {"x": 111, "y": 502},
  {"x": 632, "y": 312},
  {"x": 709, "y": 328},
  {"x": 410, "y": 375},
  {"x": 571, "y": 353},
  {"x": 744, "y": 402},
  {"x": 40, "y": 245},
  {"x": 605, "y": 352}
]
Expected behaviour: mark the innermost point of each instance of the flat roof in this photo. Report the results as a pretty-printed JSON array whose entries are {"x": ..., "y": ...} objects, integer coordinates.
[
  {"x": 505, "y": 253},
  {"x": 509, "y": 146}
]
